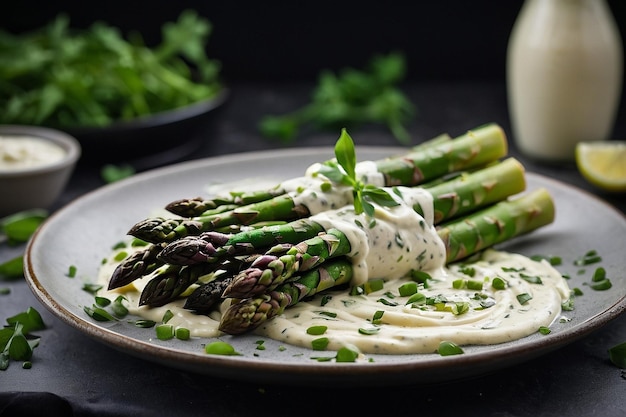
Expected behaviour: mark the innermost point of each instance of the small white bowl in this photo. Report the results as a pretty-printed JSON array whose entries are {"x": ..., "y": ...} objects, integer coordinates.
[{"x": 39, "y": 185}]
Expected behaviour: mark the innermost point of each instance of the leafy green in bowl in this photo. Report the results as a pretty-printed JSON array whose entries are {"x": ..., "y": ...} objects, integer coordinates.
[{"x": 95, "y": 83}]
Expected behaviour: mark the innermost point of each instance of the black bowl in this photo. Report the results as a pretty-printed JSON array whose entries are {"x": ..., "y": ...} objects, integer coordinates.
[{"x": 153, "y": 140}]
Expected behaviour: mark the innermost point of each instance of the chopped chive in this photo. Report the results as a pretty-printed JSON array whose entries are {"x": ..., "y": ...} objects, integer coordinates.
[
  {"x": 418, "y": 298},
  {"x": 102, "y": 301},
  {"x": 474, "y": 284},
  {"x": 320, "y": 343},
  {"x": 317, "y": 330},
  {"x": 120, "y": 256},
  {"x": 167, "y": 316},
  {"x": 617, "y": 355},
  {"x": 91, "y": 288},
  {"x": 345, "y": 354},
  {"x": 99, "y": 314},
  {"x": 182, "y": 333},
  {"x": 71, "y": 272},
  {"x": 449, "y": 348},
  {"x": 599, "y": 275},
  {"x": 164, "y": 331},
  {"x": 378, "y": 315},
  {"x": 5, "y": 291},
  {"x": 588, "y": 258},
  {"x": 145, "y": 324},
  {"x": 373, "y": 285},
  {"x": 524, "y": 298},
  {"x": 408, "y": 289},
  {"x": 498, "y": 283},
  {"x": 220, "y": 348},
  {"x": 605, "y": 284},
  {"x": 369, "y": 331},
  {"x": 544, "y": 330}
]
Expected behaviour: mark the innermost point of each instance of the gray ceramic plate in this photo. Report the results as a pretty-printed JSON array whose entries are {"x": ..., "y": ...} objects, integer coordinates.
[{"x": 83, "y": 233}]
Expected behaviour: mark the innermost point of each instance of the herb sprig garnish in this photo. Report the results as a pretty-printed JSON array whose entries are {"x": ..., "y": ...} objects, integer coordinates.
[{"x": 343, "y": 171}]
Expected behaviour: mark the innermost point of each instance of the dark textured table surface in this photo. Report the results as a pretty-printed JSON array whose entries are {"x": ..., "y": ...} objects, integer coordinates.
[{"x": 75, "y": 375}]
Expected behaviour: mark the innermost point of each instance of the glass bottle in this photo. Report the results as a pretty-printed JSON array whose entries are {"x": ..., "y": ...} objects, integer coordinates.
[{"x": 564, "y": 76}]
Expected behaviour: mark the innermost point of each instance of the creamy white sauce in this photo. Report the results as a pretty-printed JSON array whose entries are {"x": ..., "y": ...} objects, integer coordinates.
[
  {"x": 399, "y": 241},
  {"x": 22, "y": 152},
  {"x": 404, "y": 328}
]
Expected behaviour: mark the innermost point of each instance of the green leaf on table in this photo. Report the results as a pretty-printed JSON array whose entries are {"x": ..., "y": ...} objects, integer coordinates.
[
  {"x": 19, "y": 227},
  {"x": 12, "y": 269},
  {"x": 16, "y": 342}
]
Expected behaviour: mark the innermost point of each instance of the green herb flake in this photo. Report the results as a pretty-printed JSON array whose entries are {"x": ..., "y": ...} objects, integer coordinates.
[
  {"x": 167, "y": 316},
  {"x": 316, "y": 330},
  {"x": 165, "y": 331},
  {"x": 369, "y": 331},
  {"x": 5, "y": 291},
  {"x": 182, "y": 333},
  {"x": 102, "y": 301},
  {"x": 145, "y": 324},
  {"x": 544, "y": 330},
  {"x": 345, "y": 354},
  {"x": 498, "y": 283},
  {"x": 220, "y": 348},
  {"x": 12, "y": 269},
  {"x": 91, "y": 288},
  {"x": 98, "y": 313},
  {"x": 617, "y": 355},
  {"x": 320, "y": 343},
  {"x": 408, "y": 289},
  {"x": 449, "y": 348},
  {"x": 524, "y": 298},
  {"x": 378, "y": 316},
  {"x": 591, "y": 257},
  {"x": 19, "y": 227},
  {"x": 71, "y": 271}
]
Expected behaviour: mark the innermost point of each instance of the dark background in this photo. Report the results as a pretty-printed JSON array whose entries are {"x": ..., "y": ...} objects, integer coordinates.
[{"x": 287, "y": 41}]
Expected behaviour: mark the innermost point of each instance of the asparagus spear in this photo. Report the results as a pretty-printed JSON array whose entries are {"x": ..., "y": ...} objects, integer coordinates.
[
  {"x": 464, "y": 237},
  {"x": 477, "y": 147},
  {"x": 464, "y": 194},
  {"x": 198, "y": 206},
  {"x": 136, "y": 265},
  {"x": 249, "y": 313},
  {"x": 268, "y": 271},
  {"x": 451, "y": 199}
]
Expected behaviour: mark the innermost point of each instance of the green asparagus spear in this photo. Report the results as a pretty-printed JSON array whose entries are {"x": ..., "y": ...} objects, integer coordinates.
[
  {"x": 212, "y": 246},
  {"x": 268, "y": 271},
  {"x": 463, "y": 237},
  {"x": 495, "y": 224},
  {"x": 198, "y": 206},
  {"x": 249, "y": 313},
  {"x": 464, "y": 194},
  {"x": 136, "y": 265},
  {"x": 171, "y": 282},
  {"x": 478, "y": 147},
  {"x": 159, "y": 229},
  {"x": 279, "y": 263}
]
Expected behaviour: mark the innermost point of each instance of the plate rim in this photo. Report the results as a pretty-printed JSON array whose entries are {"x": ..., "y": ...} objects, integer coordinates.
[{"x": 254, "y": 369}]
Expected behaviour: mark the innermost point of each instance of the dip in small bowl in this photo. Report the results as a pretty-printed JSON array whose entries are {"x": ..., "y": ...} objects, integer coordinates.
[{"x": 35, "y": 165}]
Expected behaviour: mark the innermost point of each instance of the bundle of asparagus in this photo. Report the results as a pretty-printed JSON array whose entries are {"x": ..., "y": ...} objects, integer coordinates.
[{"x": 226, "y": 250}]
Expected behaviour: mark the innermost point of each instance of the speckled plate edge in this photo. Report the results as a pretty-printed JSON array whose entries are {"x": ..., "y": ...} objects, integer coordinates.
[{"x": 83, "y": 232}]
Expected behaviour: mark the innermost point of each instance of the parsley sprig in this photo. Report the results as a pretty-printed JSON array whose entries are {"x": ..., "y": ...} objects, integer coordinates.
[{"x": 343, "y": 171}]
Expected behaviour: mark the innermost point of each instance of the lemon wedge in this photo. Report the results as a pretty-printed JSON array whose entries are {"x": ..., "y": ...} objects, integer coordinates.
[{"x": 603, "y": 164}]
